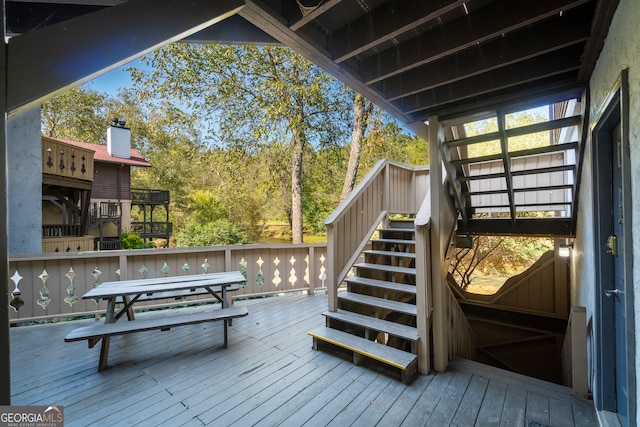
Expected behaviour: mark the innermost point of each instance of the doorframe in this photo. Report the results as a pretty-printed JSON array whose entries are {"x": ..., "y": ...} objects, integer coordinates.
[{"x": 614, "y": 108}]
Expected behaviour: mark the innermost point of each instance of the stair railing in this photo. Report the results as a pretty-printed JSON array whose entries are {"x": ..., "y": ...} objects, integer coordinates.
[{"x": 389, "y": 187}]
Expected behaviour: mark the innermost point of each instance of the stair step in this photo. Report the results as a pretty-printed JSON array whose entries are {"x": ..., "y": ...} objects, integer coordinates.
[
  {"x": 395, "y": 241},
  {"x": 406, "y": 362},
  {"x": 401, "y": 307},
  {"x": 411, "y": 289},
  {"x": 396, "y": 329},
  {"x": 390, "y": 253},
  {"x": 387, "y": 268}
]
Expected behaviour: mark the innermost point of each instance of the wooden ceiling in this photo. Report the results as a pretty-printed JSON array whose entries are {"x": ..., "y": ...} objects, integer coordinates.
[{"x": 414, "y": 58}]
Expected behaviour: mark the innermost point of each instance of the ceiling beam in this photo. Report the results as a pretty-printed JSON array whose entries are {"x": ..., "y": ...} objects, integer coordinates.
[
  {"x": 319, "y": 10},
  {"x": 390, "y": 20},
  {"x": 478, "y": 27},
  {"x": 602, "y": 18},
  {"x": 557, "y": 33},
  {"x": 551, "y": 64},
  {"x": 48, "y": 61}
]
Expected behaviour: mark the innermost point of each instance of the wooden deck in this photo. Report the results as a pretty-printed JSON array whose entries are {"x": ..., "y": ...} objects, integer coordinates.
[{"x": 268, "y": 376}]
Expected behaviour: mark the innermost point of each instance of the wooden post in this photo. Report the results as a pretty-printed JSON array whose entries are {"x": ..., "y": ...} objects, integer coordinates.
[
  {"x": 332, "y": 271},
  {"x": 312, "y": 269},
  {"x": 579, "y": 372},
  {"x": 440, "y": 338},
  {"x": 423, "y": 306}
]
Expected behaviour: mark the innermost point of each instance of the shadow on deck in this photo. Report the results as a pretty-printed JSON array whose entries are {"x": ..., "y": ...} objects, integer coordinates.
[{"x": 268, "y": 376}]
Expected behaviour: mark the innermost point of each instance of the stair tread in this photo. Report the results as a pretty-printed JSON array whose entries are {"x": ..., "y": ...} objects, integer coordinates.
[
  {"x": 398, "y": 241},
  {"x": 401, "y": 307},
  {"x": 393, "y": 328},
  {"x": 390, "y": 253},
  {"x": 385, "y": 267},
  {"x": 382, "y": 353},
  {"x": 382, "y": 284}
]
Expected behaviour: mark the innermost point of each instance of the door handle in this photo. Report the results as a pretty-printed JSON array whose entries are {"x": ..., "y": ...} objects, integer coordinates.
[
  {"x": 612, "y": 293},
  {"x": 612, "y": 245}
]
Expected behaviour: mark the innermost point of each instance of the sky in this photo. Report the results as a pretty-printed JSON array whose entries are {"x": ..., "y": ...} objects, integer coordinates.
[{"x": 112, "y": 81}]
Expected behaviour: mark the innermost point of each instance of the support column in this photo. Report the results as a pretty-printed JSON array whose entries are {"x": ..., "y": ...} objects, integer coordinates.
[
  {"x": 24, "y": 182},
  {"x": 5, "y": 368},
  {"x": 439, "y": 327}
]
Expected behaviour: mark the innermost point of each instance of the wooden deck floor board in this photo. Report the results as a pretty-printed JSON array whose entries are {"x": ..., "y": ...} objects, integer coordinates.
[
  {"x": 560, "y": 413},
  {"x": 469, "y": 407},
  {"x": 492, "y": 404},
  {"x": 515, "y": 404},
  {"x": 405, "y": 402},
  {"x": 360, "y": 402},
  {"x": 379, "y": 407},
  {"x": 445, "y": 410},
  {"x": 269, "y": 375},
  {"x": 426, "y": 403}
]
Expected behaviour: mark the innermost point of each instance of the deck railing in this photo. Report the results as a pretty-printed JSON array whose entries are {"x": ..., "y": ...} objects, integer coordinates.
[
  {"x": 388, "y": 188},
  {"x": 51, "y": 285},
  {"x": 66, "y": 160},
  {"x": 144, "y": 196}
]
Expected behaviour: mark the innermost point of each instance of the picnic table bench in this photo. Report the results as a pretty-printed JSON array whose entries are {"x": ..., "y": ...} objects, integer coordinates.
[{"x": 128, "y": 292}]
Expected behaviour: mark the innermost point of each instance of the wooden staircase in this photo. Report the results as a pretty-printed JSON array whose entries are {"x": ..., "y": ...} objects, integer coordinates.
[{"x": 376, "y": 315}]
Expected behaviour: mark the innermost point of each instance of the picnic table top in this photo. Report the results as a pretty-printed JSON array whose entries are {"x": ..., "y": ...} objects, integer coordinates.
[{"x": 161, "y": 284}]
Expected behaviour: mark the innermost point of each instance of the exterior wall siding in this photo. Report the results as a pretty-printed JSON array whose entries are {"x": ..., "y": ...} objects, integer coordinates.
[
  {"x": 106, "y": 180},
  {"x": 621, "y": 51}
]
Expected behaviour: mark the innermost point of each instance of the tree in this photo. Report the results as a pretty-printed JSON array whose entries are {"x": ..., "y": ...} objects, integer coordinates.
[
  {"x": 78, "y": 114},
  {"x": 361, "y": 111},
  {"x": 253, "y": 96}
]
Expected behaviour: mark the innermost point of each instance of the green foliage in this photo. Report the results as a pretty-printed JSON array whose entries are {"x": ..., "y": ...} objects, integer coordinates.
[
  {"x": 78, "y": 114},
  {"x": 133, "y": 241},
  {"x": 219, "y": 232},
  {"x": 497, "y": 255}
]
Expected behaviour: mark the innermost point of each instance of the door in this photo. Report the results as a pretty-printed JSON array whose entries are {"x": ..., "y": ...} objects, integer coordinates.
[{"x": 617, "y": 292}]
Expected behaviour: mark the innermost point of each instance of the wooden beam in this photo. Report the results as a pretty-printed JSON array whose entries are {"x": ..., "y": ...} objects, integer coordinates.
[
  {"x": 48, "y": 61},
  {"x": 524, "y": 44},
  {"x": 477, "y": 27},
  {"x": 386, "y": 22},
  {"x": 544, "y": 92},
  {"x": 319, "y": 10},
  {"x": 551, "y": 227},
  {"x": 605, "y": 9},
  {"x": 552, "y": 64}
]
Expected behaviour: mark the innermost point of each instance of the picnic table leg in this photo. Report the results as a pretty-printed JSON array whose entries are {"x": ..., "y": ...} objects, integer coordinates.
[
  {"x": 106, "y": 340},
  {"x": 225, "y": 331},
  {"x": 225, "y": 304}
]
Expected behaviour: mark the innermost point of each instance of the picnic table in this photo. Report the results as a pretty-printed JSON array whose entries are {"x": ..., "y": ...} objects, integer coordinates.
[{"x": 126, "y": 293}]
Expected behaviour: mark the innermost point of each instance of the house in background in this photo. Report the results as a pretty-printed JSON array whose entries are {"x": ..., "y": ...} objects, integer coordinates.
[{"x": 87, "y": 195}]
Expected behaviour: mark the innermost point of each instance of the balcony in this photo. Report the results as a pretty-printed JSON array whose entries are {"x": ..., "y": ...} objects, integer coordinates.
[
  {"x": 61, "y": 161},
  {"x": 140, "y": 196}
]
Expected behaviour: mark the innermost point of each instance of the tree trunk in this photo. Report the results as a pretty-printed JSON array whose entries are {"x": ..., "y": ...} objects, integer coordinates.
[
  {"x": 296, "y": 187},
  {"x": 361, "y": 112}
]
